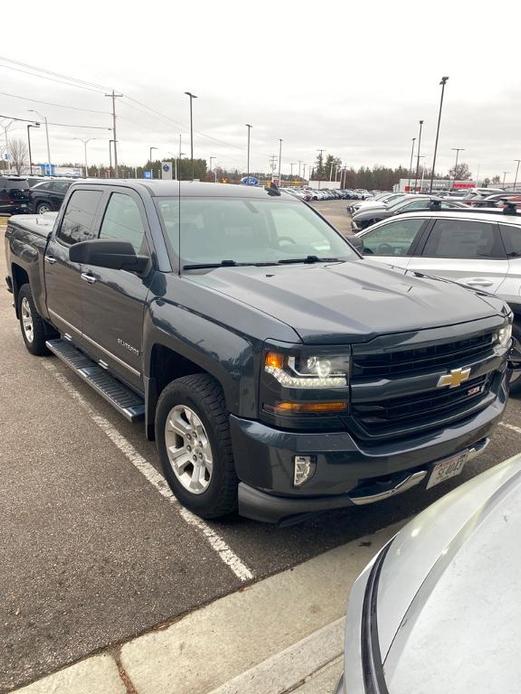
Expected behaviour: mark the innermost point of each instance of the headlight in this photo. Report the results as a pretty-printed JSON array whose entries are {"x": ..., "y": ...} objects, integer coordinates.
[
  {"x": 312, "y": 371},
  {"x": 504, "y": 335}
]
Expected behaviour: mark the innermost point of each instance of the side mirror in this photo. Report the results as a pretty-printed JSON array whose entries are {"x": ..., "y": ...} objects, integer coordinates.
[
  {"x": 117, "y": 255},
  {"x": 357, "y": 242}
]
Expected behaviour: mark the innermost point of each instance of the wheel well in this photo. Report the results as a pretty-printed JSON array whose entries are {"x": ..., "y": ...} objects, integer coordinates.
[
  {"x": 20, "y": 277},
  {"x": 165, "y": 366}
]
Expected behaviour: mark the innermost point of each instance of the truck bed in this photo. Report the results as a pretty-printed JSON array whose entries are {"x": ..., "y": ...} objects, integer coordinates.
[{"x": 40, "y": 224}]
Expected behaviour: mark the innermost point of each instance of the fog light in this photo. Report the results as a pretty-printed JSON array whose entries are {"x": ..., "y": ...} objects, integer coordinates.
[{"x": 305, "y": 467}]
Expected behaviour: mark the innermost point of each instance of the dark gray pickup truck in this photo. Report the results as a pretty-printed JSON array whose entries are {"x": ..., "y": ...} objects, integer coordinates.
[{"x": 279, "y": 372}]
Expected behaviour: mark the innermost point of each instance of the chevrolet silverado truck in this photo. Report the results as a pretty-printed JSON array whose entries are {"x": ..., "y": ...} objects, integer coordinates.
[{"x": 279, "y": 372}]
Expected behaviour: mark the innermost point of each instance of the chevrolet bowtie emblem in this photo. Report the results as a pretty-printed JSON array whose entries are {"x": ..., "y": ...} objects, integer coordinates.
[{"x": 455, "y": 378}]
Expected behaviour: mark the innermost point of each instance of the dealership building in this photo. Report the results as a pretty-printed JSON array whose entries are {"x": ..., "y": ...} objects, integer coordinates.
[{"x": 406, "y": 185}]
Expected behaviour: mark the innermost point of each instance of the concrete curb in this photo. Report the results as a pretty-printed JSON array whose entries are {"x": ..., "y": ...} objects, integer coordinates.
[{"x": 290, "y": 668}]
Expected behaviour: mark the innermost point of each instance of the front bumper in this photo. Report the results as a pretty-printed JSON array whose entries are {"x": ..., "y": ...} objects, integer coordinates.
[{"x": 346, "y": 469}]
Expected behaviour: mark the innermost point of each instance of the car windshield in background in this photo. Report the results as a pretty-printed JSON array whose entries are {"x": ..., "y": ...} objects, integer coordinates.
[{"x": 249, "y": 231}]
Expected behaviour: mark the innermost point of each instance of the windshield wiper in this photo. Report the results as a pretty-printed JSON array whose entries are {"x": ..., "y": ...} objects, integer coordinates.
[
  {"x": 308, "y": 259},
  {"x": 225, "y": 263}
]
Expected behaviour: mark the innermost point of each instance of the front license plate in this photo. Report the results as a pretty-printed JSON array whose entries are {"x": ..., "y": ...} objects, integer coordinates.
[{"x": 447, "y": 469}]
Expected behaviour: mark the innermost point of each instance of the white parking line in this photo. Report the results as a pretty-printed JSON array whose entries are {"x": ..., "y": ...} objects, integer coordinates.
[
  {"x": 512, "y": 427},
  {"x": 216, "y": 542}
]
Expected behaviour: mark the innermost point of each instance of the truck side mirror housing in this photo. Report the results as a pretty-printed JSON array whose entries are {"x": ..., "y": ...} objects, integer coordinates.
[
  {"x": 356, "y": 242},
  {"x": 117, "y": 255}
]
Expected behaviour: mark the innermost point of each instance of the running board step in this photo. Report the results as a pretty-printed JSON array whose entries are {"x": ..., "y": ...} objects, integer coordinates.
[{"x": 124, "y": 400}]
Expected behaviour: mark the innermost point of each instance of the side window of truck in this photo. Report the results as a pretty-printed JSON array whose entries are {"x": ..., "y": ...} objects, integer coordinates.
[
  {"x": 122, "y": 222},
  {"x": 78, "y": 220}
]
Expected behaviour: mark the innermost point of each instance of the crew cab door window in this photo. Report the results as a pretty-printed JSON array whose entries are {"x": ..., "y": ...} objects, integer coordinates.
[
  {"x": 392, "y": 240},
  {"x": 122, "y": 222},
  {"x": 78, "y": 222},
  {"x": 467, "y": 251}
]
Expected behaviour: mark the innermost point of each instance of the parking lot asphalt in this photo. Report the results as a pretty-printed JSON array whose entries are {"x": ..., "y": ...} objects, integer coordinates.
[{"x": 94, "y": 551}]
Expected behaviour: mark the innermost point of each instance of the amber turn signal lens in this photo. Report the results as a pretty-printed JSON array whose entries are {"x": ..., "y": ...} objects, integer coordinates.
[
  {"x": 310, "y": 407},
  {"x": 274, "y": 360}
]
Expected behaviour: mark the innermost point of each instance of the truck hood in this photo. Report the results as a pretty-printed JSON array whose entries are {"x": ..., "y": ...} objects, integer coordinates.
[{"x": 350, "y": 301}]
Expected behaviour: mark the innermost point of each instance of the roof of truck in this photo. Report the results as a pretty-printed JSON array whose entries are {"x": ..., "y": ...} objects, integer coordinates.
[{"x": 188, "y": 188}]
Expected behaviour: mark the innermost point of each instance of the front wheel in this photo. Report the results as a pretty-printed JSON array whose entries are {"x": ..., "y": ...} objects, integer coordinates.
[
  {"x": 43, "y": 207},
  {"x": 34, "y": 329},
  {"x": 193, "y": 439}
]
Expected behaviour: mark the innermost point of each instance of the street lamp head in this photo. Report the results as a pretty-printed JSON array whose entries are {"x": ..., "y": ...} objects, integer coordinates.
[
  {"x": 249, "y": 125},
  {"x": 421, "y": 122},
  {"x": 192, "y": 96},
  {"x": 444, "y": 80}
]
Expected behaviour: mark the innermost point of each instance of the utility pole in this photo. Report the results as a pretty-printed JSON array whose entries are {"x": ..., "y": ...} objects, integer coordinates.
[
  {"x": 418, "y": 157},
  {"x": 191, "y": 97},
  {"x": 457, "y": 150},
  {"x": 517, "y": 171},
  {"x": 321, "y": 151},
  {"x": 410, "y": 164},
  {"x": 280, "y": 160},
  {"x": 299, "y": 165},
  {"x": 273, "y": 163},
  {"x": 212, "y": 171},
  {"x": 249, "y": 126},
  {"x": 114, "y": 96},
  {"x": 292, "y": 164},
  {"x": 504, "y": 177},
  {"x": 443, "y": 83}
]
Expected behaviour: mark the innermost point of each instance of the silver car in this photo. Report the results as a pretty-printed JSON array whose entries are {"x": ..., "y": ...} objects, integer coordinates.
[
  {"x": 482, "y": 250},
  {"x": 438, "y": 610}
]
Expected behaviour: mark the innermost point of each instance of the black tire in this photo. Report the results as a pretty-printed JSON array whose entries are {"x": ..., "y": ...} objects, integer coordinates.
[
  {"x": 40, "y": 329},
  {"x": 42, "y": 207},
  {"x": 204, "y": 396},
  {"x": 515, "y": 381}
]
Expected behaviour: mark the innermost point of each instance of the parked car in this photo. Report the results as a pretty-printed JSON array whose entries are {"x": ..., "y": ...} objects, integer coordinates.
[
  {"x": 377, "y": 201},
  {"x": 49, "y": 195},
  {"x": 14, "y": 195},
  {"x": 280, "y": 372},
  {"x": 370, "y": 215},
  {"x": 481, "y": 250},
  {"x": 33, "y": 180},
  {"x": 437, "y": 611}
]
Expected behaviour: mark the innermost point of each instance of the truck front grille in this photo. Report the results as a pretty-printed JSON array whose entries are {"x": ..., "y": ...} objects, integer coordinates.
[
  {"x": 420, "y": 411},
  {"x": 422, "y": 359}
]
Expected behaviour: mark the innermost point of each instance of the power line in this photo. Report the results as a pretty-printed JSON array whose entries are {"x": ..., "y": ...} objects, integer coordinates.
[
  {"x": 50, "y": 74},
  {"x": 61, "y": 125},
  {"x": 49, "y": 103}
]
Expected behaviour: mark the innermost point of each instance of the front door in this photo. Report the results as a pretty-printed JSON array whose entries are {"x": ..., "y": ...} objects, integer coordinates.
[
  {"x": 469, "y": 251},
  {"x": 63, "y": 282},
  {"x": 114, "y": 300},
  {"x": 391, "y": 243}
]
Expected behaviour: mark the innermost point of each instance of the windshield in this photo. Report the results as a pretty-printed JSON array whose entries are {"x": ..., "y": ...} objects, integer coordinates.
[{"x": 248, "y": 231}]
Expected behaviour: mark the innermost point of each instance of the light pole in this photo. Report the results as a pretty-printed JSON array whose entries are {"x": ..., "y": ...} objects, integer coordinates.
[
  {"x": 410, "y": 164},
  {"x": 85, "y": 142},
  {"x": 111, "y": 142},
  {"x": 150, "y": 149},
  {"x": 457, "y": 150},
  {"x": 517, "y": 171},
  {"x": 443, "y": 83},
  {"x": 249, "y": 126},
  {"x": 5, "y": 129},
  {"x": 191, "y": 97},
  {"x": 30, "y": 125},
  {"x": 280, "y": 160},
  {"x": 44, "y": 118},
  {"x": 292, "y": 164},
  {"x": 212, "y": 170},
  {"x": 418, "y": 155},
  {"x": 504, "y": 177}
]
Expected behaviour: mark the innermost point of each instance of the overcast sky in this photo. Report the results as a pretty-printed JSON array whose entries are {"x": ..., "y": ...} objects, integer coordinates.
[{"x": 352, "y": 78}]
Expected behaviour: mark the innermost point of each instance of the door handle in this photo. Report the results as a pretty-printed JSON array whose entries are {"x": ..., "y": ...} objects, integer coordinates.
[
  {"x": 50, "y": 259},
  {"x": 88, "y": 277}
]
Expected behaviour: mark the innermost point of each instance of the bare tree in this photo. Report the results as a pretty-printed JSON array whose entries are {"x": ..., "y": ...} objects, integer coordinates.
[{"x": 18, "y": 152}]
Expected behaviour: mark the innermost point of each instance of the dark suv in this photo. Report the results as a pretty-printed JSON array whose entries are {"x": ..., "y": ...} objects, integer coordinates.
[
  {"x": 48, "y": 195},
  {"x": 14, "y": 194}
]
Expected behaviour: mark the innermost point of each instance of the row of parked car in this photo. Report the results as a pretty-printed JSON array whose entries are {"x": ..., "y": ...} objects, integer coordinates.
[
  {"x": 19, "y": 194},
  {"x": 309, "y": 194}
]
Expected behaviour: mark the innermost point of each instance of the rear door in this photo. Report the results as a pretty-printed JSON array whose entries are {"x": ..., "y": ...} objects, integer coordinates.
[
  {"x": 469, "y": 251},
  {"x": 114, "y": 300},
  {"x": 393, "y": 242},
  {"x": 63, "y": 283}
]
